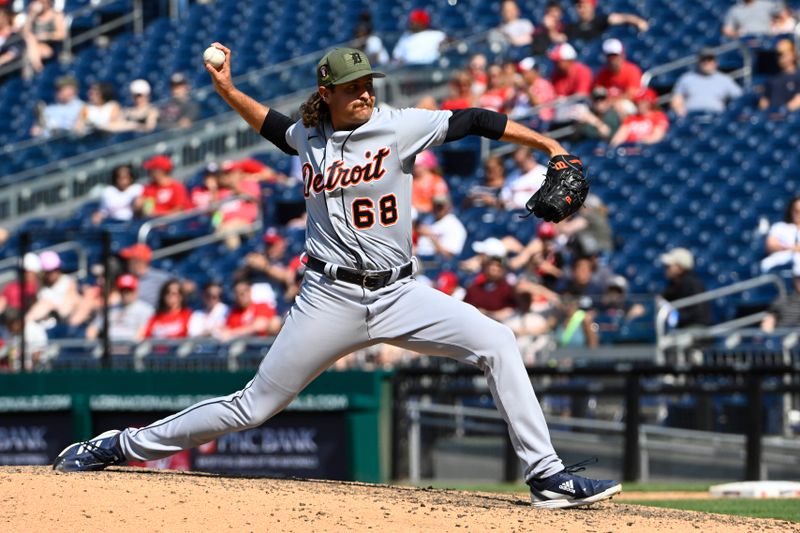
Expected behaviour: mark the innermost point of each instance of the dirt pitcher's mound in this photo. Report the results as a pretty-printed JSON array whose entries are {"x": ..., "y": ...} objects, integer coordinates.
[{"x": 130, "y": 499}]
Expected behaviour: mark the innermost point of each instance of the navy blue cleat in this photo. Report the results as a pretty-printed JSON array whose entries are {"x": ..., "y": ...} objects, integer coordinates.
[
  {"x": 93, "y": 454},
  {"x": 566, "y": 489}
]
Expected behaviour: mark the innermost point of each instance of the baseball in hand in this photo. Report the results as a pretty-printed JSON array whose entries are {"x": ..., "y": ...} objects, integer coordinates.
[{"x": 214, "y": 57}]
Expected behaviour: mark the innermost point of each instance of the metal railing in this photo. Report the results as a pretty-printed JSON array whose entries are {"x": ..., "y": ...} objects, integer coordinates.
[
  {"x": 67, "y": 181},
  {"x": 653, "y": 442},
  {"x": 133, "y": 17},
  {"x": 624, "y": 381},
  {"x": 684, "y": 338}
]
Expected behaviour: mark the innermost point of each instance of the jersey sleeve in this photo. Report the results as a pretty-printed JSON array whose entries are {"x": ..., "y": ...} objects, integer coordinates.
[
  {"x": 418, "y": 129},
  {"x": 280, "y": 131}
]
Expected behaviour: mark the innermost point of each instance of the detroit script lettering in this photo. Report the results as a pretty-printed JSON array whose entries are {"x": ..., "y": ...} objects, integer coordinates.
[{"x": 338, "y": 175}]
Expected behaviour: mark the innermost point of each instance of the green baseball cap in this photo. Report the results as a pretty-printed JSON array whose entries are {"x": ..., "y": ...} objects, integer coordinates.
[{"x": 342, "y": 65}]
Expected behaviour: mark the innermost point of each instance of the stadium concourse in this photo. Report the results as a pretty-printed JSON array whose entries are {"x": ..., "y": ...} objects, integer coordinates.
[{"x": 680, "y": 207}]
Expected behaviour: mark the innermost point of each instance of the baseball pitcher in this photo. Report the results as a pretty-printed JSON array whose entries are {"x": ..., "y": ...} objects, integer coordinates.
[{"x": 359, "y": 288}]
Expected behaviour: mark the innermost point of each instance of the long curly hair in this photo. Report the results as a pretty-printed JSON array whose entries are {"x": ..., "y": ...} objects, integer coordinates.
[{"x": 314, "y": 111}]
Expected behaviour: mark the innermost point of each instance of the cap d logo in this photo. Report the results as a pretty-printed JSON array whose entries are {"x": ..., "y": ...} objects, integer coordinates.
[
  {"x": 355, "y": 58},
  {"x": 323, "y": 71}
]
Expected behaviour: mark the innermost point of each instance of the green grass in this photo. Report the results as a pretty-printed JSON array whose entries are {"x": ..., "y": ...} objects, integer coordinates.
[{"x": 781, "y": 509}]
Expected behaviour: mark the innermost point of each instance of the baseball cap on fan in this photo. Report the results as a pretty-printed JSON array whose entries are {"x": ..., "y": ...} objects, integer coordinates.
[
  {"x": 680, "y": 257},
  {"x": 612, "y": 47},
  {"x": 492, "y": 247},
  {"x": 342, "y": 65},
  {"x": 563, "y": 52}
]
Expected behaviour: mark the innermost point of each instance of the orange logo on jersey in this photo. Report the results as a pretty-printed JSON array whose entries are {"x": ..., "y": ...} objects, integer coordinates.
[{"x": 338, "y": 175}]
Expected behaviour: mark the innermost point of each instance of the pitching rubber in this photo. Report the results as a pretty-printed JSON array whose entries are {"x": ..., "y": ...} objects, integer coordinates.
[{"x": 566, "y": 503}]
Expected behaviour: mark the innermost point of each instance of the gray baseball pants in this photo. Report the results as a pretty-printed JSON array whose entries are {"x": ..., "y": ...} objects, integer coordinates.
[{"x": 331, "y": 319}]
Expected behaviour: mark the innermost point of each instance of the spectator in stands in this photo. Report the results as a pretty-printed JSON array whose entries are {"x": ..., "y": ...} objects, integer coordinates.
[
  {"x": 524, "y": 181},
  {"x": 570, "y": 78},
  {"x": 590, "y": 25},
  {"x": 529, "y": 326},
  {"x": 533, "y": 90},
  {"x": 117, "y": 200},
  {"x": 248, "y": 318},
  {"x": 367, "y": 41},
  {"x": 180, "y": 111},
  {"x": 420, "y": 44},
  {"x": 589, "y": 230},
  {"x": 542, "y": 258},
  {"x": 706, "y": 90},
  {"x": 10, "y": 338},
  {"x": 598, "y": 121},
  {"x": 621, "y": 77},
  {"x": 150, "y": 279},
  {"x": 551, "y": 31},
  {"x": 209, "y": 192},
  {"x": 445, "y": 236},
  {"x": 44, "y": 31},
  {"x": 575, "y": 321},
  {"x": 613, "y": 309},
  {"x": 128, "y": 320},
  {"x": 516, "y": 30},
  {"x": 11, "y": 296},
  {"x": 490, "y": 292},
  {"x": 783, "y": 89},
  {"x": 491, "y": 247},
  {"x": 270, "y": 267},
  {"x": 648, "y": 125},
  {"x": 487, "y": 194},
  {"x": 499, "y": 94},
  {"x": 682, "y": 281},
  {"x": 785, "y": 312},
  {"x": 477, "y": 70},
  {"x": 427, "y": 182},
  {"x": 448, "y": 283},
  {"x": 92, "y": 294},
  {"x": 102, "y": 112},
  {"x": 171, "y": 318},
  {"x": 163, "y": 195},
  {"x": 58, "y": 295},
  {"x": 783, "y": 21},
  {"x": 581, "y": 280},
  {"x": 461, "y": 95},
  {"x": 749, "y": 17},
  {"x": 143, "y": 116},
  {"x": 61, "y": 117},
  {"x": 238, "y": 214},
  {"x": 12, "y": 44},
  {"x": 211, "y": 318},
  {"x": 783, "y": 239}
]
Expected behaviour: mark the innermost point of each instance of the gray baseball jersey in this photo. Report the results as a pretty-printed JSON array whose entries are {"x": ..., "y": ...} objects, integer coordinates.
[
  {"x": 358, "y": 194},
  {"x": 357, "y": 185}
]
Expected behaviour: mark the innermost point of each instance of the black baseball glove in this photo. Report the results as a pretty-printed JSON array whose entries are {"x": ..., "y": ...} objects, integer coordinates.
[{"x": 563, "y": 191}]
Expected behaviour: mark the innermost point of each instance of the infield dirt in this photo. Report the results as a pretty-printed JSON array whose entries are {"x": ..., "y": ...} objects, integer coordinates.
[{"x": 132, "y": 499}]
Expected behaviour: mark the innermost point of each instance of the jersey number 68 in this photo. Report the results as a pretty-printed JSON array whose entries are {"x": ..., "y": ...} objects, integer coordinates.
[{"x": 364, "y": 211}]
